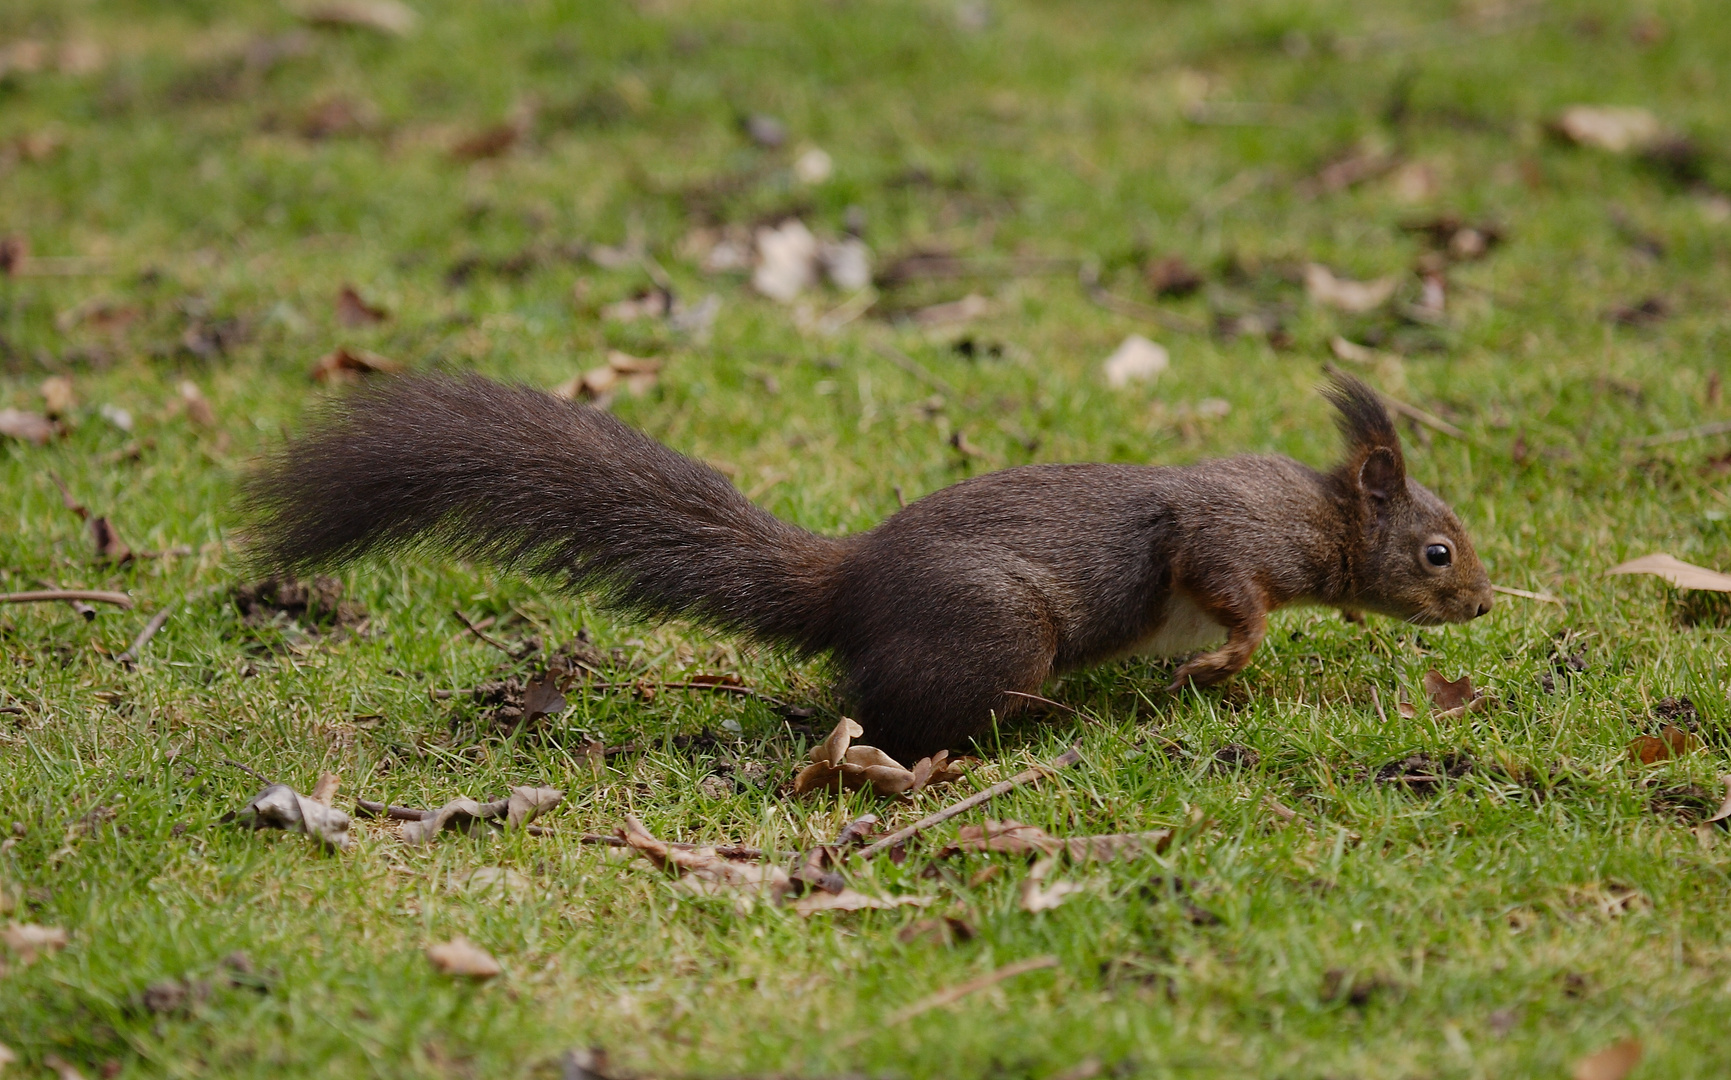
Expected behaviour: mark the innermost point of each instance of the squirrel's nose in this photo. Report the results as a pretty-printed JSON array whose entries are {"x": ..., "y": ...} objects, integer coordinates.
[{"x": 1484, "y": 609}]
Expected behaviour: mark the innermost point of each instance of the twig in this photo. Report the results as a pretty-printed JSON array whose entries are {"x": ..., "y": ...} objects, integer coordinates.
[
  {"x": 916, "y": 369},
  {"x": 1542, "y": 597},
  {"x": 725, "y": 851},
  {"x": 1026, "y": 776},
  {"x": 366, "y": 808},
  {"x": 482, "y": 634},
  {"x": 1704, "y": 431},
  {"x": 1089, "y": 278},
  {"x": 1376, "y": 699},
  {"x": 130, "y": 656},
  {"x": 951, "y": 995},
  {"x": 1411, "y": 412},
  {"x": 117, "y": 599},
  {"x": 248, "y": 769}
]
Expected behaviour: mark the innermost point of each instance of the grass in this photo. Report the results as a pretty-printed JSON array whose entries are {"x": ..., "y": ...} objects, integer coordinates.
[{"x": 1530, "y": 911}]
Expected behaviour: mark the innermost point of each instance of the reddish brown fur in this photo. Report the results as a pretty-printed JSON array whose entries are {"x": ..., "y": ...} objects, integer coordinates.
[{"x": 988, "y": 586}]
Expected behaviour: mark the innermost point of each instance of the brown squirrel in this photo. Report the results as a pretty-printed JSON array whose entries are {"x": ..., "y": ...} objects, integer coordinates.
[{"x": 939, "y": 617}]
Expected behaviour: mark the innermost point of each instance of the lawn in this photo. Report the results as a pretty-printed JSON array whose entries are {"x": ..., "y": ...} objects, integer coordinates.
[{"x": 1349, "y": 891}]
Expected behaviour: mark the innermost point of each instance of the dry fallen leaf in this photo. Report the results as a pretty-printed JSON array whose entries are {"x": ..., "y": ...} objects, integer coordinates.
[
  {"x": 489, "y": 142},
  {"x": 346, "y": 365},
  {"x": 702, "y": 870},
  {"x": 1343, "y": 294},
  {"x": 352, "y": 310},
  {"x": 56, "y": 391},
  {"x": 850, "y": 900},
  {"x": 635, "y": 373},
  {"x": 787, "y": 259},
  {"x": 281, "y": 807},
  {"x": 30, "y": 941},
  {"x": 1679, "y": 573},
  {"x": 107, "y": 540},
  {"x": 1451, "y": 699},
  {"x": 1724, "y": 810},
  {"x": 1136, "y": 359},
  {"x": 460, "y": 956},
  {"x": 528, "y": 803},
  {"x": 326, "y": 788},
  {"x": 383, "y": 16},
  {"x": 1612, "y": 1063},
  {"x": 1672, "y": 741},
  {"x": 198, "y": 409},
  {"x": 1619, "y": 130},
  {"x": 26, "y": 426},
  {"x": 541, "y": 697},
  {"x": 1038, "y": 896},
  {"x": 1015, "y": 838}
]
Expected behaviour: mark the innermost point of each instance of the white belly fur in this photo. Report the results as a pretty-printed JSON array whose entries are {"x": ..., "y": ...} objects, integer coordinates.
[{"x": 1186, "y": 629}]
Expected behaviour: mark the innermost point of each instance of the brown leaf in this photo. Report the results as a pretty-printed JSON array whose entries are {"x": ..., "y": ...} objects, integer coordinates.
[
  {"x": 649, "y": 304},
  {"x": 834, "y": 747},
  {"x": 636, "y": 374},
  {"x": 382, "y": 16},
  {"x": 460, "y": 956},
  {"x": 14, "y": 254},
  {"x": 107, "y": 539},
  {"x": 198, "y": 409},
  {"x": 346, "y": 365},
  {"x": 702, "y": 870},
  {"x": 541, "y": 697},
  {"x": 528, "y": 803},
  {"x": 1038, "y": 896},
  {"x": 326, "y": 789},
  {"x": 56, "y": 391},
  {"x": 1679, "y": 573},
  {"x": 460, "y": 813},
  {"x": 26, "y": 426},
  {"x": 1671, "y": 742},
  {"x": 1612, "y": 1063},
  {"x": 1618, "y": 130},
  {"x": 1015, "y": 838},
  {"x": 30, "y": 941},
  {"x": 849, "y": 900},
  {"x": 1724, "y": 810},
  {"x": 942, "y": 931},
  {"x": 1343, "y": 294},
  {"x": 354, "y": 311},
  {"x": 281, "y": 807},
  {"x": 1171, "y": 277},
  {"x": 1446, "y": 695},
  {"x": 819, "y": 774},
  {"x": 489, "y": 142}
]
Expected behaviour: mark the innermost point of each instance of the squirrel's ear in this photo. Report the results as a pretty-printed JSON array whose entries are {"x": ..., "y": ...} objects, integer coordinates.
[{"x": 1382, "y": 475}]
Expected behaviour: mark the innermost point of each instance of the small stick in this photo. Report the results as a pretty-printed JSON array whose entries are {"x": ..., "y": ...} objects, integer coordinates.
[
  {"x": 118, "y": 599},
  {"x": 1411, "y": 412},
  {"x": 1376, "y": 699},
  {"x": 1026, "y": 776},
  {"x": 482, "y": 634},
  {"x": 130, "y": 656},
  {"x": 725, "y": 851},
  {"x": 1542, "y": 597},
  {"x": 951, "y": 995},
  {"x": 260, "y": 777},
  {"x": 366, "y": 808},
  {"x": 1705, "y": 431},
  {"x": 917, "y": 370}
]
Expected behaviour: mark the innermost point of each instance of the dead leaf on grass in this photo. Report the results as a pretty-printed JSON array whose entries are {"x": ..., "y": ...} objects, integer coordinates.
[
  {"x": 525, "y": 804},
  {"x": 1612, "y": 1063},
  {"x": 851, "y": 900},
  {"x": 57, "y": 399},
  {"x": 381, "y": 16},
  {"x": 1452, "y": 699},
  {"x": 14, "y": 254},
  {"x": 1679, "y": 573},
  {"x": 1038, "y": 896},
  {"x": 352, "y": 310},
  {"x": 1671, "y": 742},
  {"x": 702, "y": 870},
  {"x": 597, "y": 386},
  {"x": 541, "y": 697},
  {"x": 787, "y": 258},
  {"x": 33, "y": 428},
  {"x": 488, "y": 142},
  {"x": 837, "y": 762},
  {"x": 1724, "y": 810},
  {"x": 1015, "y": 838},
  {"x": 346, "y": 365},
  {"x": 198, "y": 409},
  {"x": 326, "y": 788},
  {"x": 1136, "y": 359},
  {"x": 1344, "y": 294},
  {"x": 31, "y": 941},
  {"x": 1171, "y": 277},
  {"x": 281, "y": 807},
  {"x": 107, "y": 539},
  {"x": 460, "y": 956},
  {"x": 1615, "y": 129}
]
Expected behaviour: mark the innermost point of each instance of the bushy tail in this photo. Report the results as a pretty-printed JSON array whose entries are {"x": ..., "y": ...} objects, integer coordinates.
[{"x": 513, "y": 477}]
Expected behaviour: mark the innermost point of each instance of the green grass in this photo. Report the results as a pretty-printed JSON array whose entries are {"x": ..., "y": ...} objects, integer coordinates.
[{"x": 1471, "y": 914}]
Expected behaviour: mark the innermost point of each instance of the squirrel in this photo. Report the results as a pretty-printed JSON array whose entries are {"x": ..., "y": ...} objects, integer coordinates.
[{"x": 957, "y": 607}]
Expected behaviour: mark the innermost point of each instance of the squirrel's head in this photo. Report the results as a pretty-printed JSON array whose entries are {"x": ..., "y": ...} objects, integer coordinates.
[{"x": 1415, "y": 561}]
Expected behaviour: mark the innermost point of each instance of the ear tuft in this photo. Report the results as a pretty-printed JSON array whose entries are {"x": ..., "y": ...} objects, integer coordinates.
[{"x": 1362, "y": 419}]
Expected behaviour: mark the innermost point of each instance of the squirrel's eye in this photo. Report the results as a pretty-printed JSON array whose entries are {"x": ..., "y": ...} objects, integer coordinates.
[{"x": 1438, "y": 555}]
